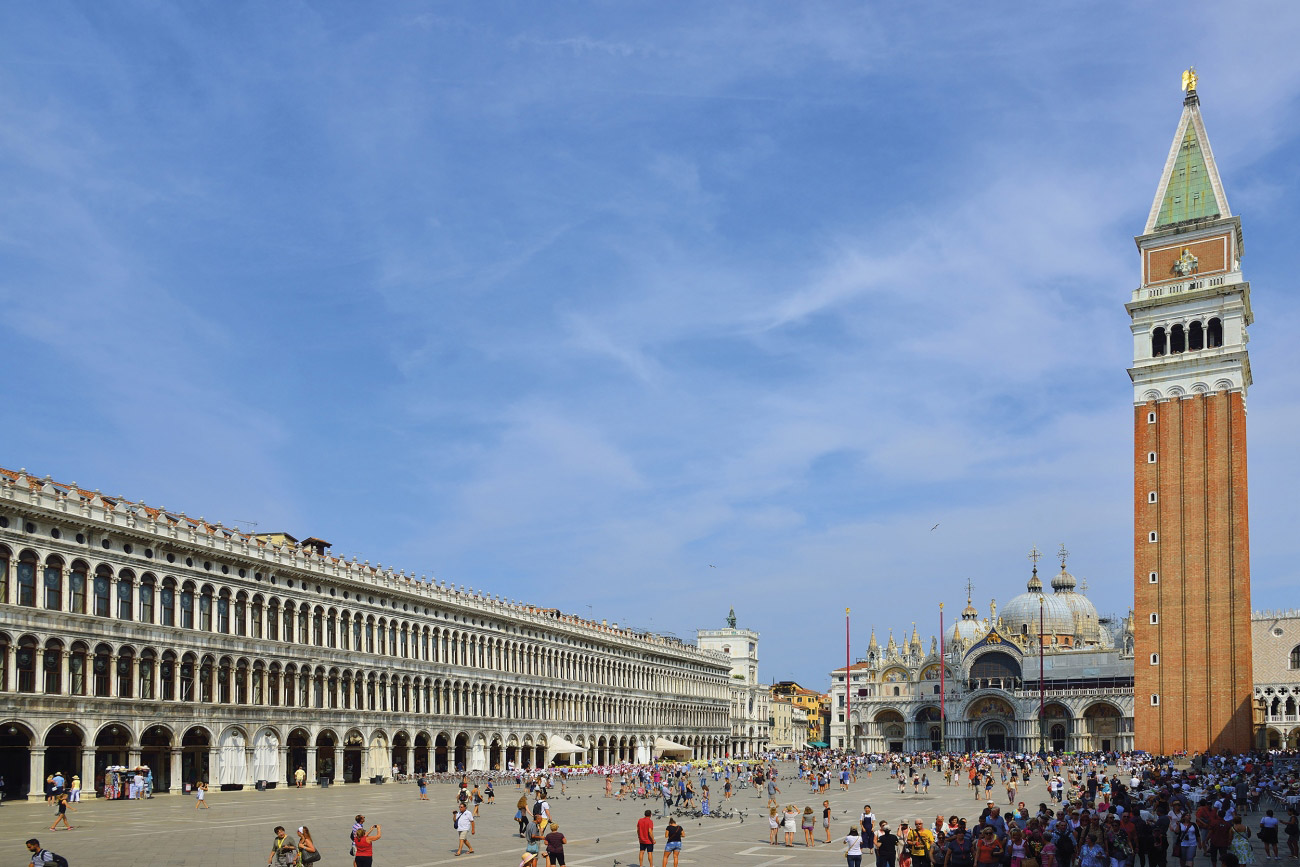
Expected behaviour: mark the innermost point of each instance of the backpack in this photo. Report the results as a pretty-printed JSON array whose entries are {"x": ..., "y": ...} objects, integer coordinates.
[{"x": 58, "y": 860}]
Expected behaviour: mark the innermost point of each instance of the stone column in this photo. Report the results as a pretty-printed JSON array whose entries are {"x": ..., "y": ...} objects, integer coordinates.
[
  {"x": 36, "y": 784},
  {"x": 65, "y": 674},
  {"x": 311, "y": 768},
  {"x": 89, "y": 785},
  {"x": 250, "y": 771},
  {"x": 112, "y": 673},
  {"x": 177, "y": 784}
]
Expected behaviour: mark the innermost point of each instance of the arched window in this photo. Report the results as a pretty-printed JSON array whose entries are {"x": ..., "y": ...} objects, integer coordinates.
[
  {"x": 187, "y": 679},
  {"x": 5, "y": 554},
  {"x": 241, "y": 617},
  {"x": 146, "y": 599},
  {"x": 125, "y": 592},
  {"x": 102, "y": 670},
  {"x": 1196, "y": 336},
  {"x": 187, "y": 613},
  {"x": 53, "y": 666},
  {"x": 317, "y": 628},
  {"x": 256, "y": 618},
  {"x": 27, "y": 579},
  {"x": 146, "y": 675},
  {"x": 103, "y": 580},
  {"x": 273, "y": 620},
  {"x": 1158, "y": 342},
  {"x": 223, "y": 613},
  {"x": 1177, "y": 340},
  {"x": 223, "y": 681},
  {"x": 77, "y": 662},
  {"x": 205, "y": 610},
  {"x": 1214, "y": 334},
  {"x": 167, "y": 602},
  {"x": 125, "y": 673},
  {"x": 77, "y": 587},
  {"x": 167, "y": 676},
  {"x": 54, "y": 584},
  {"x": 26, "y": 662},
  {"x": 207, "y": 672},
  {"x": 1295, "y": 657}
]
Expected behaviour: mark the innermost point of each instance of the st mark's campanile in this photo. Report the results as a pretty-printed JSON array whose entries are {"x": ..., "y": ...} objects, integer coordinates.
[{"x": 1191, "y": 542}]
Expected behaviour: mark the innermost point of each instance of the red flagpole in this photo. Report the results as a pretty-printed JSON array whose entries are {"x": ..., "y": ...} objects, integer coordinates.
[{"x": 848, "y": 684}]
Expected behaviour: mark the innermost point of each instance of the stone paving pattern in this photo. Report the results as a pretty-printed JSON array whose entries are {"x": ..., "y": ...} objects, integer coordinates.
[{"x": 169, "y": 832}]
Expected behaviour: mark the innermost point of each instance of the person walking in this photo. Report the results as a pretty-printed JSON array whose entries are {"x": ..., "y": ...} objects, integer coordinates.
[
  {"x": 809, "y": 822},
  {"x": 364, "y": 842},
  {"x": 464, "y": 829},
  {"x": 62, "y": 815},
  {"x": 521, "y": 814},
  {"x": 300, "y": 777},
  {"x": 41, "y": 856},
  {"x": 1268, "y": 826},
  {"x": 555, "y": 845},
  {"x": 287, "y": 855},
  {"x": 308, "y": 853},
  {"x": 826, "y": 819},
  {"x": 886, "y": 846},
  {"x": 424, "y": 787},
  {"x": 673, "y": 844},
  {"x": 281, "y": 840},
  {"x": 76, "y": 788},
  {"x": 201, "y": 796}
]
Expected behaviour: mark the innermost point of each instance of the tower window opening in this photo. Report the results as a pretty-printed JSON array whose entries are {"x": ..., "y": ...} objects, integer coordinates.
[
  {"x": 1151, "y": 496},
  {"x": 1151, "y": 537},
  {"x": 1155, "y": 659},
  {"x": 1177, "y": 340},
  {"x": 1154, "y": 577},
  {"x": 1196, "y": 336},
  {"x": 1151, "y": 457},
  {"x": 1158, "y": 343},
  {"x": 1155, "y": 619},
  {"x": 1155, "y": 700},
  {"x": 1214, "y": 334},
  {"x": 1151, "y": 418}
]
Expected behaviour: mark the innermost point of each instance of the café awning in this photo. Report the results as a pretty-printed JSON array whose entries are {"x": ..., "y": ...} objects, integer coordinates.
[
  {"x": 664, "y": 747},
  {"x": 556, "y": 745}
]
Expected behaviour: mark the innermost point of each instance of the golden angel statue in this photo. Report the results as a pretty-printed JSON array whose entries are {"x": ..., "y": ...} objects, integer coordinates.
[{"x": 1189, "y": 79}]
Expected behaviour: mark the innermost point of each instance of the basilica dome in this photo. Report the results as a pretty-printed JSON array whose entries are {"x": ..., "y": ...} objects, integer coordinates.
[
  {"x": 1022, "y": 614},
  {"x": 970, "y": 628},
  {"x": 1087, "y": 628}
]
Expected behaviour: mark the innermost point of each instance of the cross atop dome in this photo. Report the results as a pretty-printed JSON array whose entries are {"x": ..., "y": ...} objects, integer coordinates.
[{"x": 1035, "y": 585}]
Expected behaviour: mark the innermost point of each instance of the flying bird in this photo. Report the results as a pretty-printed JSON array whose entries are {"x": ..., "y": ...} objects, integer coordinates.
[{"x": 935, "y": 527}]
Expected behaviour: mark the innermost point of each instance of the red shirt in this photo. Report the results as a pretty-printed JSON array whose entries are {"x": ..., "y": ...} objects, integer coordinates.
[
  {"x": 645, "y": 829},
  {"x": 363, "y": 844}
]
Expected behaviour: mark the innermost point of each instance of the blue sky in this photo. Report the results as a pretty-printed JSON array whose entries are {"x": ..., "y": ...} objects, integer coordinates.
[{"x": 640, "y": 310}]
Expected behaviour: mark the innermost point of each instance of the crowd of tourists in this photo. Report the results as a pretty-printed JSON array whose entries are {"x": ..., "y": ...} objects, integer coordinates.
[{"x": 1098, "y": 810}]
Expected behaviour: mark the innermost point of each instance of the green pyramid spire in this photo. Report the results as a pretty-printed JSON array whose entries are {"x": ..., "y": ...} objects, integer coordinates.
[
  {"x": 1190, "y": 188},
  {"x": 1189, "y": 194}
]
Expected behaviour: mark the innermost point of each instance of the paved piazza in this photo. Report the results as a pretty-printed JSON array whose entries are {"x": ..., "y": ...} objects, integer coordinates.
[{"x": 237, "y": 829}]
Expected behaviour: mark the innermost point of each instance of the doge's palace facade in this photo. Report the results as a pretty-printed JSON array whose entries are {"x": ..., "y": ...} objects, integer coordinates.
[{"x": 131, "y": 635}]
